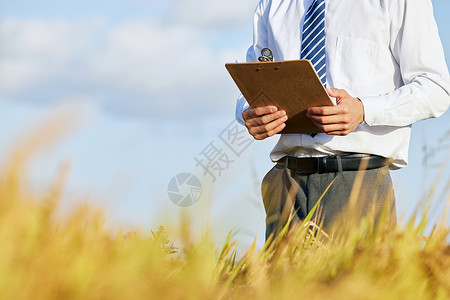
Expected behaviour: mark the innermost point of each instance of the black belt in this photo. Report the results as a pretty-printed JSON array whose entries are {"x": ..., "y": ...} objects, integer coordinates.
[{"x": 332, "y": 164}]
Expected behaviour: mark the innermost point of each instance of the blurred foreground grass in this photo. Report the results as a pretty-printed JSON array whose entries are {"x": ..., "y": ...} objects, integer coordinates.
[{"x": 42, "y": 257}]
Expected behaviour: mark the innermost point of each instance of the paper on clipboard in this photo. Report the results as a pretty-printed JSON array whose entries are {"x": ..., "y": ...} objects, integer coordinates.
[{"x": 292, "y": 86}]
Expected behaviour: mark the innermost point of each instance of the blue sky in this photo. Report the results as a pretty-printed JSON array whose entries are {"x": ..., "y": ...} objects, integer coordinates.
[{"x": 147, "y": 81}]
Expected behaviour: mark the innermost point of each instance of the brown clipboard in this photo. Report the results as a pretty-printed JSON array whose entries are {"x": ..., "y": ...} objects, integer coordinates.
[{"x": 291, "y": 85}]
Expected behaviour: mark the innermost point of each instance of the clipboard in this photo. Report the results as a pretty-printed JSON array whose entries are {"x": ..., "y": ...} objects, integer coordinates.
[{"x": 292, "y": 85}]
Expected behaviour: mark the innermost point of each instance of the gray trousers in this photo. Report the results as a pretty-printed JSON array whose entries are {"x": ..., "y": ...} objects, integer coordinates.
[{"x": 286, "y": 191}]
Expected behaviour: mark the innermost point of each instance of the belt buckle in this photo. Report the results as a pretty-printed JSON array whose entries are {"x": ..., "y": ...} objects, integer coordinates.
[{"x": 322, "y": 164}]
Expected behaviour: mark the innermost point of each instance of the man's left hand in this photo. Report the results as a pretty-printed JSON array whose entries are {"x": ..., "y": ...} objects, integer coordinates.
[{"x": 340, "y": 119}]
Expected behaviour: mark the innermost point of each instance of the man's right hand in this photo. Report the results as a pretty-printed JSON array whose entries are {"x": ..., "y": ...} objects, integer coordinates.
[{"x": 265, "y": 121}]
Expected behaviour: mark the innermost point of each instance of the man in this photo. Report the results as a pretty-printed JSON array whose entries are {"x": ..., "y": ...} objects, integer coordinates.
[{"x": 383, "y": 62}]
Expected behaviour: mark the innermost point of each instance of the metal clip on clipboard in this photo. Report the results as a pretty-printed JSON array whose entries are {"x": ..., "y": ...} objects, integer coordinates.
[{"x": 266, "y": 55}]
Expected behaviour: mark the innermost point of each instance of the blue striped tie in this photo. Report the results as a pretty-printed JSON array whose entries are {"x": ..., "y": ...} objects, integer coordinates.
[{"x": 313, "y": 38}]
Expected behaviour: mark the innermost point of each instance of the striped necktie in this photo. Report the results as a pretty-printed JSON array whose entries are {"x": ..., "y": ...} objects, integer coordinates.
[{"x": 313, "y": 38}]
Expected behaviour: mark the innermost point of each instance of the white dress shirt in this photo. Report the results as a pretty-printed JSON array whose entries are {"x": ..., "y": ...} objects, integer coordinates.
[{"x": 385, "y": 52}]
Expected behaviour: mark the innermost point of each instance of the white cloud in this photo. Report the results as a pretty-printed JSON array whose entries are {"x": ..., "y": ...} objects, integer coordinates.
[
  {"x": 161, "y": 71},
  {"x": 151, "y": 58},
  {"x": 34, "y": 52},
  {"x": 206, "y": 14},
  {"x": 214, "y": 12},
  {"x": 138, "y": 67}
]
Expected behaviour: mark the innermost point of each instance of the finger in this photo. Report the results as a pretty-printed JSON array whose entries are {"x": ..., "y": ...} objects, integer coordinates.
[
  {"x": 333, "y": 119},
  {"x": 337, "y": 93},
  {"x": 318, "y": 125},
  {"x": 271, "y": 132},
  {"x": 335, "y": 127},
  {"x": 274, "y": 116},
  {"x": 259, "y": 111},
  {"x": 260, "y": 121},
  {"x": 332, "y": 128},
  {"x": 323, "y": 111},
  {"x": 340, "y": 132},
  {"x": 270, "y": 126}
]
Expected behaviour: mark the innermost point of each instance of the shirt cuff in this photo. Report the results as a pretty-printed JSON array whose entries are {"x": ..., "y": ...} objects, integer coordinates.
[
  {"x": 241, "y": 106},
  {"x": 373, "y": 110}
]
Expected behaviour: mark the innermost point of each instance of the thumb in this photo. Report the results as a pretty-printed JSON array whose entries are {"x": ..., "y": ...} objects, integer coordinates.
[{"x": 337, "y": 93}]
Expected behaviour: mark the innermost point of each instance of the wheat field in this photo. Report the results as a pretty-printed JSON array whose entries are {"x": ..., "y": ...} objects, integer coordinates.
[{"x": 79, "y": 257}]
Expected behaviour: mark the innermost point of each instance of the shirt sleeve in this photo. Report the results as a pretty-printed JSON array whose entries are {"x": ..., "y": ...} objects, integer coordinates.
[
  {"x": 259, "y": 42},
  {"x": 416, "y": 47}
]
